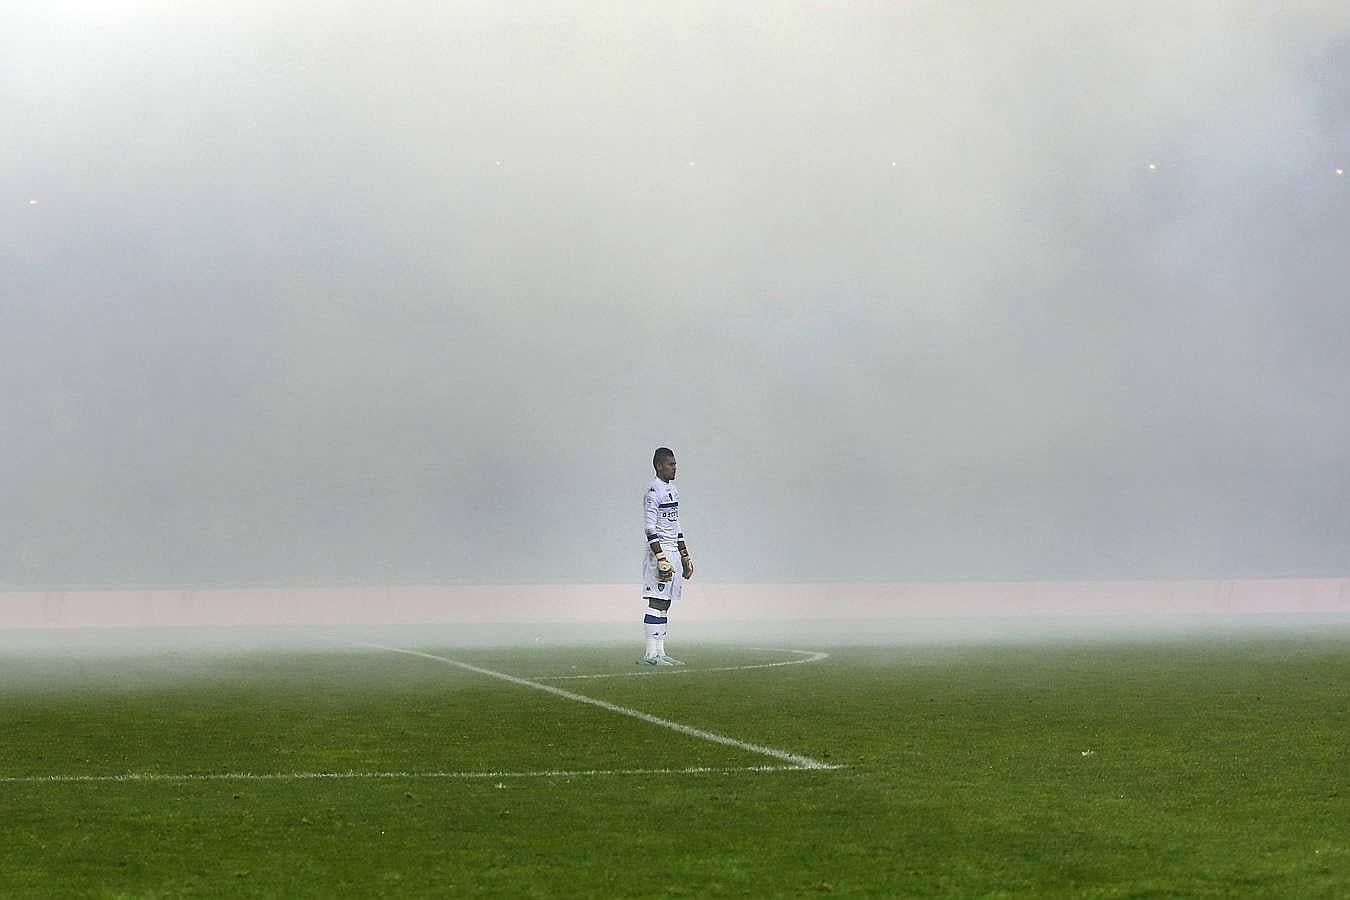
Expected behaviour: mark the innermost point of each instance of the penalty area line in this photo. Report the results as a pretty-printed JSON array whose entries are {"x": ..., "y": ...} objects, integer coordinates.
[
  {"x": 808, "y": 656},
  {"x": 794, "y": 759},
  {"x": 152, "y": 777}
]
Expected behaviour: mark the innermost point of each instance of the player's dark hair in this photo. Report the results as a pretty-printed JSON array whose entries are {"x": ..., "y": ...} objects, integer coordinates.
[{"x": 660, "y": 454}]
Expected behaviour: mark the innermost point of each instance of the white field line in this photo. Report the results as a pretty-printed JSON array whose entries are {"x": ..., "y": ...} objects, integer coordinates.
[
  {"x": 345, "y": 776},
  {"x": 809, "y": 656},
  {"x": 794, "y": 759}
]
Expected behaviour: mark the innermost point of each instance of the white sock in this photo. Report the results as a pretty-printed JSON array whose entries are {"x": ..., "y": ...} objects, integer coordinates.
[{"x": 655, "y": 624}]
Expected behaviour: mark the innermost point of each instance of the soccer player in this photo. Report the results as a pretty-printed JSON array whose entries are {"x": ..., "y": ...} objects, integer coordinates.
[{"x": 661, "y": 581}]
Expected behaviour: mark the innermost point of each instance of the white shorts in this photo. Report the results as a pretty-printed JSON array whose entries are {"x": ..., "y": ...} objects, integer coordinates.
[{"x": 661, "y": 590}]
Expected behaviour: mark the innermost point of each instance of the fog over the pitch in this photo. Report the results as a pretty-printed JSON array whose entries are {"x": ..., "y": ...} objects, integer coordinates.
[{"x": 332, "y": 294}]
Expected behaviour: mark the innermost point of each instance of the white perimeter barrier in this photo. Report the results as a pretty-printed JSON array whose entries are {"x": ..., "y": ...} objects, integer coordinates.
[{"x": 702, "y": 602}]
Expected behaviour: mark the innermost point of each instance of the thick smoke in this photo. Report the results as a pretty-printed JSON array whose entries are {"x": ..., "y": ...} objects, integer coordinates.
[{"x": 409, "y": 294}]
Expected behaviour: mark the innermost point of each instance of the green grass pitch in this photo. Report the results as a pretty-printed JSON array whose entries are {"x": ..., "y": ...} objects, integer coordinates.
[{"x": 1184, "y": 767}]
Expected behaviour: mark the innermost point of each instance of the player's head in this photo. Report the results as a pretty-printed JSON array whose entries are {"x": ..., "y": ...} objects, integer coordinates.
[{"x": 663, "y": 461}]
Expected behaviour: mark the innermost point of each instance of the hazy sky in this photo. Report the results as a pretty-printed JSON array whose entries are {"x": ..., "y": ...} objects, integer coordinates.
[{"x": 299, "y": 292}]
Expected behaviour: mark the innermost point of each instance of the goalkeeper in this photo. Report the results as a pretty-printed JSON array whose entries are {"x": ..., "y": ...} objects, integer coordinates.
[{"x": 662, "y": 578}]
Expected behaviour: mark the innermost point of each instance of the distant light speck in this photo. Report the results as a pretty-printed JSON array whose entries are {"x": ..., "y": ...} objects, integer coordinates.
[
  {"x": 1338, "y": 172},
  {"x": 34, "y": 202},
  {"x": 499, "y": 162},
  {"x": 1153, "y": 167},
  {"x": 692, "y": 163},
  {"x": 894, "y": 164}
]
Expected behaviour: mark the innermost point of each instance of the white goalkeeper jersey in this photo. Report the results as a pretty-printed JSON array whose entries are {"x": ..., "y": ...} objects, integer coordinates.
[{"x": 661, "y": 512}]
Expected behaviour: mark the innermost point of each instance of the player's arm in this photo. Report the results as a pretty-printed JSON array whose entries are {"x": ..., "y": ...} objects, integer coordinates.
[
  {"x": 686, "y": 561},
  {"x": 651, "y": 511},
  {"x": 664, "y": 570}
]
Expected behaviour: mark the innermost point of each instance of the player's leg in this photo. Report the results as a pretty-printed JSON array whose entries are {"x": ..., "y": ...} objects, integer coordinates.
[
  {"x": 675, "y": 586},
  {"x": 657, "y": 595},
  {"x": 654, "y": 621}
]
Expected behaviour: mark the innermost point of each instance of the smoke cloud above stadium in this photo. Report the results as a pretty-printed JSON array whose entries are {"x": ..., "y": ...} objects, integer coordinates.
[{"x": 409, "y": 292}]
